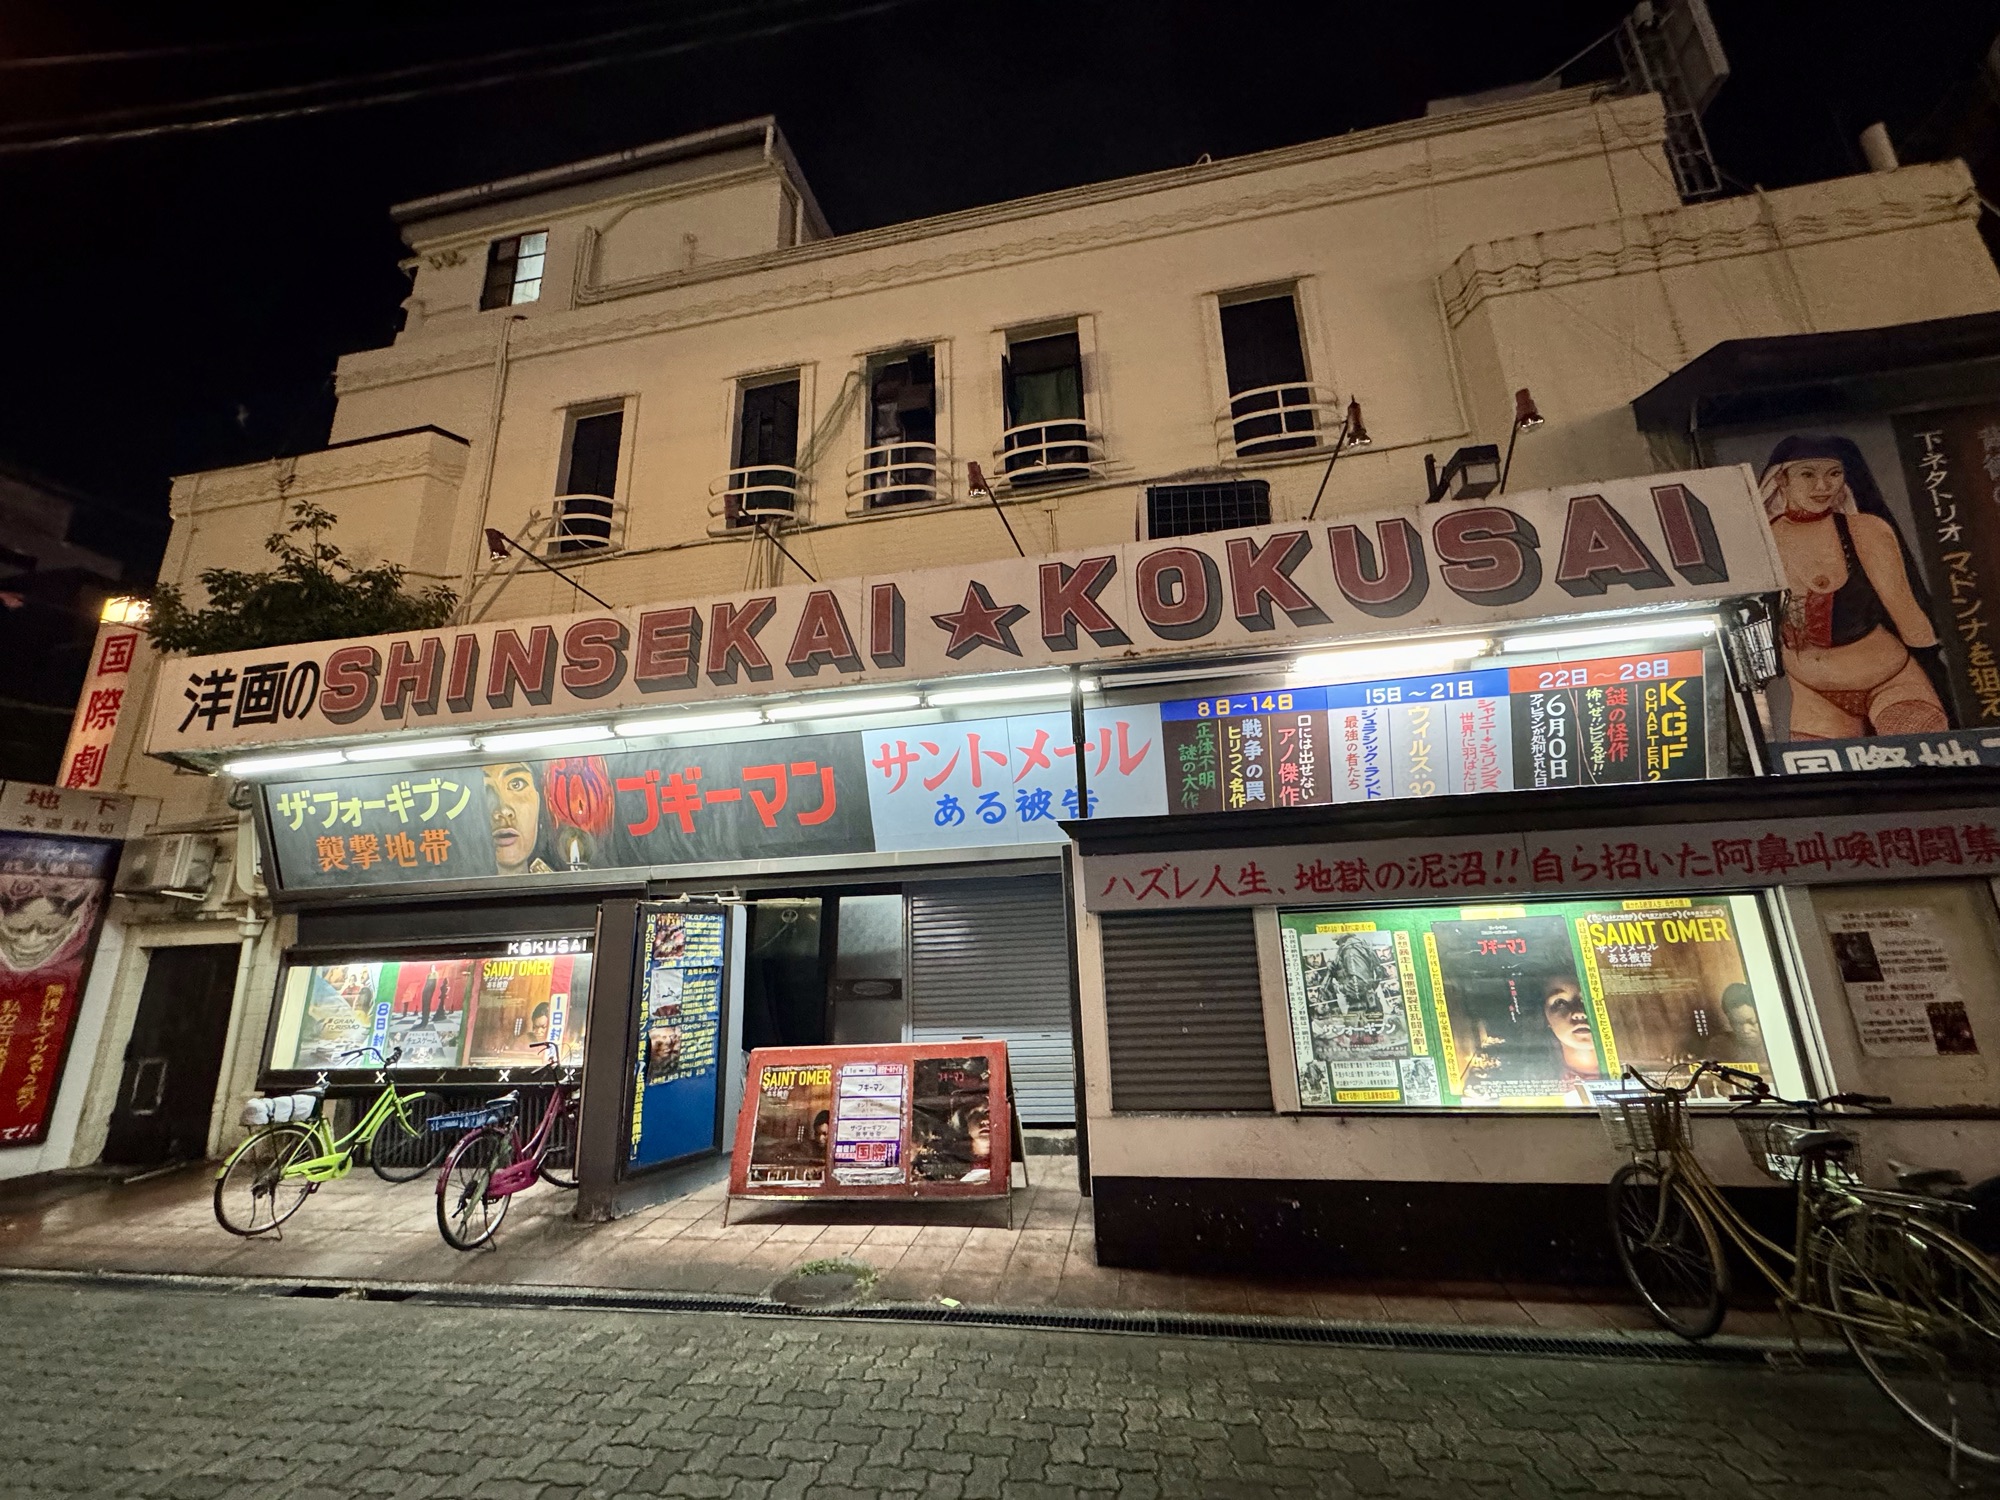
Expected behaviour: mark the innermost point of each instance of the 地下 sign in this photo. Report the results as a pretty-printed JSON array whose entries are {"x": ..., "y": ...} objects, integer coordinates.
[{"x": 1575, "y": 551}]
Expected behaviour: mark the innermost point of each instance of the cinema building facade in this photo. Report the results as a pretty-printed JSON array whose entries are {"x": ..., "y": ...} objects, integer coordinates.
[{"x": 1040, "y": 623}]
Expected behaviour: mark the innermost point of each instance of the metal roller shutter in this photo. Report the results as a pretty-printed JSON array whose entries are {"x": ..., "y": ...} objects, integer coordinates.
[
  {"x": 1182, "y": 1007},
  {"x": 990, "y": 958}
]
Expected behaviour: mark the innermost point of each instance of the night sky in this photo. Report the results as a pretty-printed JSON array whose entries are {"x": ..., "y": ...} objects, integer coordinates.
[{"x": 178, "y": 303}]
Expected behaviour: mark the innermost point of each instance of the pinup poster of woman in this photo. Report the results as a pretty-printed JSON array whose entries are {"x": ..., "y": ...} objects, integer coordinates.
[{"x": 1861, "y": 652}]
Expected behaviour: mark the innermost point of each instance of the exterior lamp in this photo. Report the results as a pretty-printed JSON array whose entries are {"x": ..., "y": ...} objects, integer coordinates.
[
  {"x": 1527, "y": 417},
  {"x": 275, "y": 765},
  {"x": 841, "y": 708},
  {"x": 528, "y": 739},
  {"x": 687, "y": 724},
  {"x": 1471, "y": 473},
  {"x": 1353, "y": 434},
  {"x": 410, "y": 749},
  {"x": 1357, "y": 430},
  {"x": 125, "y": 609}
]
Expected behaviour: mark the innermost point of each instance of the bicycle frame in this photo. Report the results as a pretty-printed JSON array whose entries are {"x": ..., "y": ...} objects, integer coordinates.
[
  {"x": 335, "y": 1158},
  {"x": 522, "y": 1172}
]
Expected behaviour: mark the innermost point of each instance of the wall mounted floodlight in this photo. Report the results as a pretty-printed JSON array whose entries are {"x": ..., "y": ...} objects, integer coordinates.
[
  {"x": 1527, "y": 417},
  {"x": 1472, "y": 473}
]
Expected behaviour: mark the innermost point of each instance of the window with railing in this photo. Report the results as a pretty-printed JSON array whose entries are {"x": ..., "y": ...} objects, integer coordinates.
[
  {"x": 901, "y": 462},
  {"x": 586, "y": 504},
  {"x": 1046, "y": 440},
  {"x": 764, "y": 482},
  {"x": 1273, "y": 407}
]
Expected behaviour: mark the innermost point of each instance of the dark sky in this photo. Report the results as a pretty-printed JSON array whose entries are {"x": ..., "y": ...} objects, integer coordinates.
[{"x": 177, "y": 303}]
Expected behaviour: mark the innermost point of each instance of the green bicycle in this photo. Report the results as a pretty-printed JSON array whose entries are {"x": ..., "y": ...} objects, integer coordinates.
[{"x": 264, "y": 1180}]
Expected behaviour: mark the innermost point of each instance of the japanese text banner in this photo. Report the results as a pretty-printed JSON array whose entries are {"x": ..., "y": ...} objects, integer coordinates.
[{"x": 1657, "y": 539}]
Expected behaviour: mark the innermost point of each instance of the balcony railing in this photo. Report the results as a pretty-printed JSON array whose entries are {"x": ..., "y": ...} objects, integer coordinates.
[
  {"x": 1277, "y": 419},
  {"x": 896, "y": 474},
  {"x": 1048, "y": 453},
  {"x": 582, "y": 523},
  {"x": 757, "y": 493}
]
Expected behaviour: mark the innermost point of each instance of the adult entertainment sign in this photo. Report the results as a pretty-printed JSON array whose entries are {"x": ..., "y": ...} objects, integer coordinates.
[{"x": 1685, "y": 536}]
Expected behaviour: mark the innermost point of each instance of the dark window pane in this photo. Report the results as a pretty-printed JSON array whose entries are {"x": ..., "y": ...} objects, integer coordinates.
[
  {"x": 1260, "y": 344},
  {"x": 1189, "y": 509},
  {"x": 500, "y": 258},
  {"x": 1044, "y": 380},
  {"x": 767, "y": 431},
  {"x": 903, "y": 400},
  {"x": 593, "y": 454}
]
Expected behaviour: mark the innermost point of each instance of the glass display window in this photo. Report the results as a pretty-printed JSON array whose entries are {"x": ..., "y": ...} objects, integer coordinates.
[
  {"x": 1531, "y": 1005},
  {"x": 484, "y": 1006}
]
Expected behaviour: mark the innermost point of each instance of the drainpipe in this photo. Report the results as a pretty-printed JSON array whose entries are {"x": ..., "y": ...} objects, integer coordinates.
[
  {"x": 249, "y": 927},
  {"x": 493, "y": 402}
]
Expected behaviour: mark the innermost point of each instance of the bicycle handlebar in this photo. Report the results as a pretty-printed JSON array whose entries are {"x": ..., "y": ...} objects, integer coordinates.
[
  {"x": 1756, "y": 1089},
  {"x": 388, "y": 1062}
]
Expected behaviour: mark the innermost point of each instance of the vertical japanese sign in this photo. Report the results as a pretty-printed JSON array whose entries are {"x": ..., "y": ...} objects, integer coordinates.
[
  {"x": 868, "y": 1122},
  {"x": 677, "y": 1078},
  {"x": 1897, "y": 971},
  {"x": 1951, "y": 466},
  {"x": 101, "y": 706},
  {"x": 52, "y": 897}
]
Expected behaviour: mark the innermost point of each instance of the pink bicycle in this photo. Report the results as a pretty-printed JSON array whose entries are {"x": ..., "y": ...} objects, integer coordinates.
[{"x": 492, "y": 1162}]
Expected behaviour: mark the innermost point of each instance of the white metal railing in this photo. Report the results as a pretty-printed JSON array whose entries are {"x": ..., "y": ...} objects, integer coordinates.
[
  {"x": 1277, "y": 419},
  {"x": 897, "y": 474},
  {"x": 1048, "y": 452},
  {"x": 582, "y": 523},
  {"x": 756, "y": 493}
]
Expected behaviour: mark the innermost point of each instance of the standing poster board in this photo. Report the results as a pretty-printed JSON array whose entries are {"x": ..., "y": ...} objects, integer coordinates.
[
  {"x": 677, "y": 1078},
  {"x": 928, "y": 1120}
]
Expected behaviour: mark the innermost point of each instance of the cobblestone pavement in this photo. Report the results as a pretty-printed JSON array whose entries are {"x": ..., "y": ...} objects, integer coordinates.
[{"x": 195, "y": 1395}]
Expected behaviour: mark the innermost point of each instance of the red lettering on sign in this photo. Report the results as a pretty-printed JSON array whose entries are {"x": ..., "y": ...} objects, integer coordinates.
[
  {"x": 1384, "y": 578},
  {"x": 822, "y": 639},
  {"x": 1180, "y": 593},
  {"x": 351, "y": 673},
  {"x": 411, "y": 678},
  {"x": 666, "y": 650},
  {"x": 462, "y": 681},
  {"x": 1488, "y": 555},
  {"x": 1261, "y": 578},
  {"x": 885, "y": 625},
  {"x": 529, "y": 665},
  {"x": 1692, "y": 545},
  {"x": 594, "y": 657},
  {"x": 1600, "y": 548},
  {"x": 732, "y": 640},
  {"x": 1069, "y": 602}
]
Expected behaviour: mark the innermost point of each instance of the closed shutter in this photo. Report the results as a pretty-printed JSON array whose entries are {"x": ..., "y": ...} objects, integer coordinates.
[
  {"x": 990, "y": 958},
  {"x": 1185, "y": 1017}
]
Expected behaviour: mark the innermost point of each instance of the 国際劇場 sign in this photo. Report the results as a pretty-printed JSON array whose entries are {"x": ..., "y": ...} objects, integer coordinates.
[{"x": 1612, "y": 545}]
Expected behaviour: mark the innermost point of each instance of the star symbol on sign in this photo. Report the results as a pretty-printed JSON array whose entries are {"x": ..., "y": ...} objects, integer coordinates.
[{"x": 980, "y": 622}]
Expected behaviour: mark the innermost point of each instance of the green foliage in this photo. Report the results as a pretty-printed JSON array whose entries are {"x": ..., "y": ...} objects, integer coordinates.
[{"x": 312, "y": 594}]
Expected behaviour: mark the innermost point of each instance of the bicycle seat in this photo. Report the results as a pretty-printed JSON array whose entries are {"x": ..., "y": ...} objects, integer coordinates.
[
  {"x": 1821, "y": 1143},
  {"x": 507, "y": 1100}
]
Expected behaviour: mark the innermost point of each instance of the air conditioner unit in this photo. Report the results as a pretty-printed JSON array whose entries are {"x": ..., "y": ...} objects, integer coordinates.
[{"x": 167, "y": 864}]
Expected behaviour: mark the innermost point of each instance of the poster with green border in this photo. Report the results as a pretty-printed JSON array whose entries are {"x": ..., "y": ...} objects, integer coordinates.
[{"x": 1528, "y": 1005}]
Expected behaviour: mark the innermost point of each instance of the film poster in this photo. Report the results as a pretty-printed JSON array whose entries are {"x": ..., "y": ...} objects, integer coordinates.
[
  {"x": 520, "y": 1003},
  {"x": 1673, "y": 986},
  {"x": 1357, "y": 1021},
  {"x": 52, "y": 895},
  {"x": 338, "y": 1018},
  {"x": 868, "y": 1122},
  {"x": 951, "y": 1120},
  {"x": 788, "y": 1147},
  {"x": 427, "y": 1012},
  {"x": 1897, "y": 971}
]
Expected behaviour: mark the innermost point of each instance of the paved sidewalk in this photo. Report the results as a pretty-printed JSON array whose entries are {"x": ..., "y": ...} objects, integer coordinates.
[{"x": 364, "y": 1229}]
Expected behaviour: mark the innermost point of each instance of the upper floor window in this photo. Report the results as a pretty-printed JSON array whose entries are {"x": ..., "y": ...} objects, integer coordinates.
[
  {"x": 587, "y": 488},
  {"x": 901, "y": 461},
  {"x": 764, "y": 484},
  {"x": 514, "y": 270},
  {"x": 1046, "y": 438},
  {"x": 1271, "y": 406}
]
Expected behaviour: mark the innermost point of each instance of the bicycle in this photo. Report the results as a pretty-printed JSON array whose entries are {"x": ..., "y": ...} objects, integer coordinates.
[
  {"x": 264, "y": 1181},
  {"x": 490, "y": 1163},
  {"x": 1917, "y": 1304}
]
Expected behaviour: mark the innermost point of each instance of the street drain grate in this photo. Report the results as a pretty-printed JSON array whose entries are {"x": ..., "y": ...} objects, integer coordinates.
[{"x": 351, "y": 1292}]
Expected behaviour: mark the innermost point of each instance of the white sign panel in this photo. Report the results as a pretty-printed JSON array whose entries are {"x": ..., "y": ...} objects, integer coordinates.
[
  {"x": 1897, "y": 971},
  {"x": 26, "y": 807},
  {"x": 1471, "y": 567}
]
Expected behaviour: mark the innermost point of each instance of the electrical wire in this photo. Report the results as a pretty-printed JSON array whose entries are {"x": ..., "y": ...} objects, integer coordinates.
[{"x": 75, "y": 126}]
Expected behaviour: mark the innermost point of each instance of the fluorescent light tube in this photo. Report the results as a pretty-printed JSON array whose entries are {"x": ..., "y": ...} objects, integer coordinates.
[
  {"x": 1020, "y": 692},
  {"x": 410, "y": 749},
  {"x": 271, "y": 765},
  {"x": 1637, "y": 633},
  {"x": 1365, "y": 663},
  {"x": 841, "y": 708},
  {"x": 529, "y": 739},
  {"x": 687, "y": 724}
]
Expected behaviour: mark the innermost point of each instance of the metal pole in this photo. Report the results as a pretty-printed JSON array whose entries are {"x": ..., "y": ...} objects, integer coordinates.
[
  {"x": 1338, "y": 443},
  {"x": 1507, "y": 467},
  {"x": 515, "y": 546},
  {"x": 772, "y": 534}
]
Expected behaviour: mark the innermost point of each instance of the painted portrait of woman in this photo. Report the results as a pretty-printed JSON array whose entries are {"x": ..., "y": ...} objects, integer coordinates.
[{"x": 1860, "y": 649}]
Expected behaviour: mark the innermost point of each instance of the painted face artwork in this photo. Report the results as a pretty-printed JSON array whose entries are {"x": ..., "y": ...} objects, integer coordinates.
[
  {"x": 1810, "y": 486},
  {"x": 514, "y": 806},
  {"x": 38, "y": 917}
]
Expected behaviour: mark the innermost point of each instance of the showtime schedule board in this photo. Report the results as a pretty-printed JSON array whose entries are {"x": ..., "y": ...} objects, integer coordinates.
[
  {"x": 929, "y": 1120},
  {"x": 1611, "y": 721}
]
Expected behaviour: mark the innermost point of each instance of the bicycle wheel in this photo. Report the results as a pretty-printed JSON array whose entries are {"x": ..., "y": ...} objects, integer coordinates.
[
  {"x": 252, "y": 1194},
  {"x": 1669, "y": 1251},
  {"x": 467, "y": 1214},
  {"x": 558, "y": 1168},
  {"x": 400, "y": 1154},
  {"x": 1920, "y": 1308}
]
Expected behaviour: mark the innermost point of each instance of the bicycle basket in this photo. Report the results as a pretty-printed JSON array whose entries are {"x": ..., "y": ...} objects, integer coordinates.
[
  {"x": 1773, "y": 1144},
  {"x": 1641, "y": 1122}
]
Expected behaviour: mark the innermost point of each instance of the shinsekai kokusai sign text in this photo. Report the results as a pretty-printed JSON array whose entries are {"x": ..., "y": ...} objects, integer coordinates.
[{"x": 1469, "y": 566}]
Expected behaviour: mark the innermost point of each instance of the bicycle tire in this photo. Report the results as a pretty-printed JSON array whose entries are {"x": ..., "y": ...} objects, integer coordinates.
[
  {"x": 467, "y": 1216},
  {"x": 1671, "y": 1255},
  {"x": 558, "y": 1165},
  {"x": 398, "y": 1154},
  {"x": 254, "y": 1175},
  {"x": 1920, "y": 1308}
]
